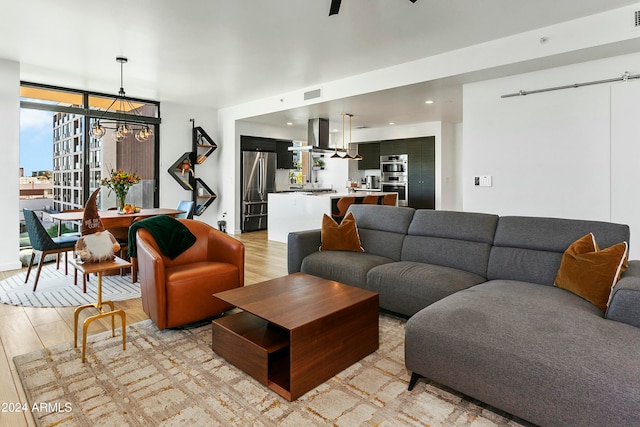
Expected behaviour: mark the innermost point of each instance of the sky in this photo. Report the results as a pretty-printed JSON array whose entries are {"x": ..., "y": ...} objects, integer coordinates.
[{"x": 36, "y": 140}]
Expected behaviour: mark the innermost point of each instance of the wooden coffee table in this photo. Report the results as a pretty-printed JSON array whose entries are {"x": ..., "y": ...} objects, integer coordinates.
[{"x": 297, "y": 331}]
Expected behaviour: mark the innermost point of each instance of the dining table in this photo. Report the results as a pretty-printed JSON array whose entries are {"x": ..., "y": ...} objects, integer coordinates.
[{"x": 113, "y": 219}]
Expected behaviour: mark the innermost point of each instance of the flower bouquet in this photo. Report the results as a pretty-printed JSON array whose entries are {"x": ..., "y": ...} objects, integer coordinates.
[{"x": 119, "y": 182}]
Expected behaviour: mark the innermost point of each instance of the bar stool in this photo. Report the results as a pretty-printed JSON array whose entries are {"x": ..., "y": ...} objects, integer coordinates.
[
  {"x": 371, "y": 200},
  {"x": 390, "y": 199},
  {"x": 342, "y": 205}
]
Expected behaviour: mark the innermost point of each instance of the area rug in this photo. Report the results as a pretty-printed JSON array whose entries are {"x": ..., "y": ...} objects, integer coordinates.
[
  {"x": 55, "y": 289},
  {"x": 173, "y": 378}
]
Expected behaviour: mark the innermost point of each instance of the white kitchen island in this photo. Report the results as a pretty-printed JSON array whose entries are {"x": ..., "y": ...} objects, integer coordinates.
[{"x": 298, "y": 211}]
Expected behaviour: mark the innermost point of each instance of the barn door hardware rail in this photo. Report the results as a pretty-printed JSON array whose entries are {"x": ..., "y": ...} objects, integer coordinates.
[{"x": 623, "y": 78}]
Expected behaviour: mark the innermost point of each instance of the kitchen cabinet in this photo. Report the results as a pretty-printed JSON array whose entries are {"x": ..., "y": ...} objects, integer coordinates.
[
  {"x": 370, "y": 153},
  {"x": 255, "y": 143},
  {"x": 398, "y": 146},
  {"x": 285, "y": 157},
  {"x": 422, "y": 172}
]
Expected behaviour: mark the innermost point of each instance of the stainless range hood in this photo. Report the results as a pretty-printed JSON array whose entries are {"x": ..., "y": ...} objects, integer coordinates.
[{"x": 318, "y": 134}]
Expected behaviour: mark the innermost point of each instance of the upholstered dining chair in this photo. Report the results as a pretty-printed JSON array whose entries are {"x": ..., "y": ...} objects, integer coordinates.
[
  {"x": 44, "y": 244},
  {"x": 187, "y": 207},
  {"x": 179, "y": 291},
  {"x": 342, "y": 205}
]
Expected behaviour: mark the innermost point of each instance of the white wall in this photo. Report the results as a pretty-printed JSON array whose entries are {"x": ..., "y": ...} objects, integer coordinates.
[
  {"x": 625, "y": 159},
  {"x": 9, "y": 174},
  {"x": 458, "y": 147},
  {"x": 175, "y": 140},
  {"x": 550, "y": 154}
]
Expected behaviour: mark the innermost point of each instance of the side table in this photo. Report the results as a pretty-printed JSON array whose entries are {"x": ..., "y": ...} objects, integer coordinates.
[{"x": 99, "y": 268}]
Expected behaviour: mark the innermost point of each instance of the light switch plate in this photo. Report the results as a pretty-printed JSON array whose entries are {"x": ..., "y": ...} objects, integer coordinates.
[{"x": 482, "y": 181}]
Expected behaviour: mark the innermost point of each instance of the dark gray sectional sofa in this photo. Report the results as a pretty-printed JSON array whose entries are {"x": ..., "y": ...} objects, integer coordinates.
[{"x": 484, "y": 316}]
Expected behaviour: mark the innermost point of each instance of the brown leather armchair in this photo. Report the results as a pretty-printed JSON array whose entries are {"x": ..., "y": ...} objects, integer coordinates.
[{"x": 179, "y": 291}]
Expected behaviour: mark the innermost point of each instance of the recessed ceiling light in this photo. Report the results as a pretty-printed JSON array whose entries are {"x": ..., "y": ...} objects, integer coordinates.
[
  {"x": 289, "y": 124},
  {"x": 428, "y": 101},
  {"x": 392, "y": 123}
]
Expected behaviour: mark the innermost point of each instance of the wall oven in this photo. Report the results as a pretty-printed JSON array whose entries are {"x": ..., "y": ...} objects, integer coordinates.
[{"x": 393, "y": 176}]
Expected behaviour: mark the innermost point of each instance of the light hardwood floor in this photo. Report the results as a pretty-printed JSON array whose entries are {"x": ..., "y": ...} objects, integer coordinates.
[{"x": 27, "y": 329}]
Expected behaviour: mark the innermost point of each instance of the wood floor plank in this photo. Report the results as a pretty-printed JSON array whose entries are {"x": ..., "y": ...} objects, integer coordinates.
[
  {"x": 54, "y": 333},
  {"x": 9, "y": 394},
  {"x": 18, "y": 335},
  {"x": 40, "y": 315}
]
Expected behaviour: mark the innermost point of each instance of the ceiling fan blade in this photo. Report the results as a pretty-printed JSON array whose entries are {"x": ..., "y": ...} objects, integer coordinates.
[{"x": 335, "y": 7}]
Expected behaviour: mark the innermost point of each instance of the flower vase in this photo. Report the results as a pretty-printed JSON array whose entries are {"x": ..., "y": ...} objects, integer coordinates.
[{"x": 121, "y": 203}]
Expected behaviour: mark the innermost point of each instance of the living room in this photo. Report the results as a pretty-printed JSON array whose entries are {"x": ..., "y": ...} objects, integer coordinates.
[{"x": 567, "y": 153}]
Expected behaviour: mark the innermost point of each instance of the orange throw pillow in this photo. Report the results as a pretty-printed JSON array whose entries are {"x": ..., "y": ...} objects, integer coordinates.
[
  {"x": 343, "y": 237},
  {"x": 592, "y": 273}
]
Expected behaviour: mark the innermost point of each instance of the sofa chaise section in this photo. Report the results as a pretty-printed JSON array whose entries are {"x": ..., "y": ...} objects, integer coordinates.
[
  {"x": 537, "y": 352},
  {"x": 524, "y": 346}
]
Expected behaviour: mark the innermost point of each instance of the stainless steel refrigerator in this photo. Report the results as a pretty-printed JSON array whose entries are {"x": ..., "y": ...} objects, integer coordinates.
[{"x": 258, "y": 180}]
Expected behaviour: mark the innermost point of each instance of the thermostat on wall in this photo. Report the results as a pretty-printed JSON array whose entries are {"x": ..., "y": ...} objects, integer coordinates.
[{"x": 482, "y": 181}]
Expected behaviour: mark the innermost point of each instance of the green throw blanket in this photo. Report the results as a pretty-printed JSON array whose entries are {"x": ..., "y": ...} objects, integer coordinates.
[{"x": 171, "y": 235}]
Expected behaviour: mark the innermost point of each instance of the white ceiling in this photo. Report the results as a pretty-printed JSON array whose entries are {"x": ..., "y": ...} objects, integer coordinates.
[{"x": 219, "y": 53}]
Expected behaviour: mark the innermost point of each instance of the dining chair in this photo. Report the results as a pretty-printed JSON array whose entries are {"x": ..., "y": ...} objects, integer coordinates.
[
  {"x": 187, "y": 207},
  {"x": 72, "y": 233},
  {"x": 121, "y": 234},
  {"x": 45, "y": 244}
]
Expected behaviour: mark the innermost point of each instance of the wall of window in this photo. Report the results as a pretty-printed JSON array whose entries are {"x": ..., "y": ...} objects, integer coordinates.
[
  {"x": 61, "y": 164},
  {"x": 79, "y": 161}
]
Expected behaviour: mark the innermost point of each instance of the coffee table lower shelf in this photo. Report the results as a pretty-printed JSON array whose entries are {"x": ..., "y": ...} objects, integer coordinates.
[
  {"x": 256, "y": 346},
  {"x": 263, "y": 350}
]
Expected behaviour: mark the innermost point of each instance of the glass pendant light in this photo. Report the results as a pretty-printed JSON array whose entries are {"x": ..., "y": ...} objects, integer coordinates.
[{"x": 97, "y": 131}]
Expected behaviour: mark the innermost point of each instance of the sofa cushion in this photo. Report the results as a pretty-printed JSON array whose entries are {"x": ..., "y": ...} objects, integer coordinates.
[
  {"x": 590, "y": 272},
  {"x": 346, "y": 267},
  {"x": 382, "y": 229},
  {"x": 460, "y": 240},
  {"x": 340, "y": 237},
  {"x": 529, "y": 249},
  {"x": 536, "y": 351},
  {"x": 406, "y": 287}
]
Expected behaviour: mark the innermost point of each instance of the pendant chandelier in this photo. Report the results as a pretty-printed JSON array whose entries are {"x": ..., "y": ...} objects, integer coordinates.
[
  {"x": 346, "y": 156},
  {"x": 121, "y": 128}
]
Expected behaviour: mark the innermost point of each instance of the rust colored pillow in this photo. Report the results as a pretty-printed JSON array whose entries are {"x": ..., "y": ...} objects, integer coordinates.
[
  {"x": 591, "y": 273},
  {"x": 343, "y": 237}
]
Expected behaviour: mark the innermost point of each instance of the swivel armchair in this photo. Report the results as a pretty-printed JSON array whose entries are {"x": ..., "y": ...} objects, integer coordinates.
[{"x": 179, "y": 291}]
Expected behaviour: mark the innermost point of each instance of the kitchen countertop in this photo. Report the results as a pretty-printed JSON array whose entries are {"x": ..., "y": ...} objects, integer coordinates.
[
  {"x": 300, "y": 210},
  {"x": 332, "y": 194}
]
